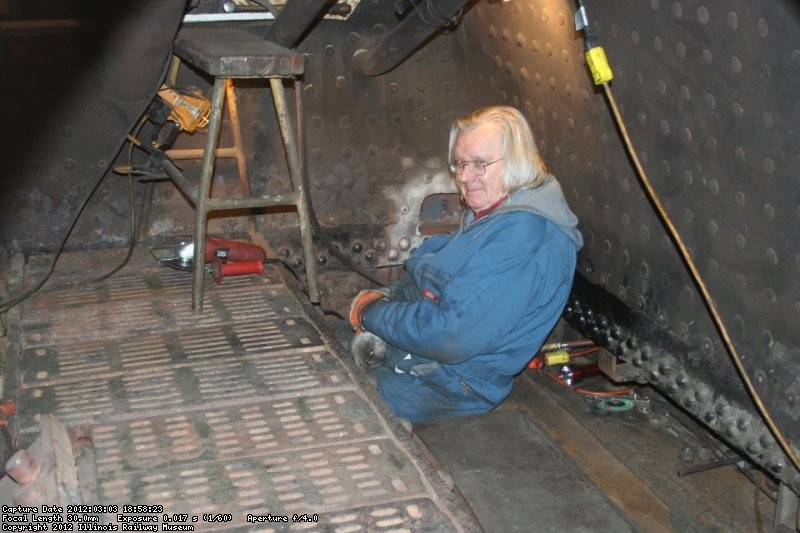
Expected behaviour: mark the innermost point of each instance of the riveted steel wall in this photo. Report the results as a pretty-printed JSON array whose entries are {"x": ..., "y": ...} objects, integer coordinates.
[{"x": 709, "y": 93}]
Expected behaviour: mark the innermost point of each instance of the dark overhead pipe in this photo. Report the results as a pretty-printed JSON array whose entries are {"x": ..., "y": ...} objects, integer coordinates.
[
  {"x": 428, "y": 17},
  {"x": 293, "y": 21}
]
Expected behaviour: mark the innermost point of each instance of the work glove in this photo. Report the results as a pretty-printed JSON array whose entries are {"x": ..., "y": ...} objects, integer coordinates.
[
  {"x": 368, "y": 350},
  {"x": 360, "y": 302}
]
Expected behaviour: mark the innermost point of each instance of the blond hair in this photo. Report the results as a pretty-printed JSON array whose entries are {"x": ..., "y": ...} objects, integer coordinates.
[{"x": 524, "y": 166}]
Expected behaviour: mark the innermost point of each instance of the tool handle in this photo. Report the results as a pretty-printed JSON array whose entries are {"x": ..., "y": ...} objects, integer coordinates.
[
  {"x": 232, "y": 251},
  {"x": 241, "y": 268}
]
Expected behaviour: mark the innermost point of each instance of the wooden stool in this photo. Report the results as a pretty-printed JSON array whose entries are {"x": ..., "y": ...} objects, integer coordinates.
[{"x": 227, "y": 53}]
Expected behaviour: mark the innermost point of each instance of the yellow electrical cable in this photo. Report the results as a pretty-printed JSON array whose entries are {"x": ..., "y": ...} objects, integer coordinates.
[{"x": 737, "y": 359}]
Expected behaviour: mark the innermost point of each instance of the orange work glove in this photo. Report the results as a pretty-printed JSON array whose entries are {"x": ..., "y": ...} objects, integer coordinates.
[{"x": 360, "y": 302}]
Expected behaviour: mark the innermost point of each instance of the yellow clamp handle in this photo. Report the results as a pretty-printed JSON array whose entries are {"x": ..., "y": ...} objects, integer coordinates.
[
  {"x": 598, "y": 64},
  {"x": 556, "y": 358}
]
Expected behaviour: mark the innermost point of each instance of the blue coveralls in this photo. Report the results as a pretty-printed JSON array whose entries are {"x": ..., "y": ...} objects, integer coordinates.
[{"x": 475, "y": 306}]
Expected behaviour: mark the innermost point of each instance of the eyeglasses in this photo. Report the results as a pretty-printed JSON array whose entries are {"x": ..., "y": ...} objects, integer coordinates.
[{"x": 476, "y": 167}]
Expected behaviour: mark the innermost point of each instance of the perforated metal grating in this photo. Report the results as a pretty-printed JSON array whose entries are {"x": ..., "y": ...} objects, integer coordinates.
[{"x": 242, "y": 410}]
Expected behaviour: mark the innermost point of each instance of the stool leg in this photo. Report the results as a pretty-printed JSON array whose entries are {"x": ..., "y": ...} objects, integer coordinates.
[
  {"x": 203, "y": 192},
  {"x": 292, "y": 157}
]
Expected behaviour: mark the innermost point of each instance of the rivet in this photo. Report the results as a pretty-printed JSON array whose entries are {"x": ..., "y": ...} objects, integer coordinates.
[
  {"x": 772, "y": 256},
  {"x": 739, "y": 154},
  {"x": 742, "y": 424},
  {"x": 340, "y": 81},
  {"x": 763, "y": 29},
  {"x": 712, "y": 227},
  {"x": 733, "y": 20},
  {"x": 775, "y": 467},
  {"x": 766, "y": 338},
  {"x": 736, "y": 65},
  {"x": 767, "y": 119},
  {"x": 330, "y": 50},
  {"x": 635, "y": 37},
  {"x": 393, "y": 254},
  {"x": 677, "y": 10},
  {"x": 657, "y": 44},
  {"x": 702, "y": 15},
  {"x": 707, "y": 56},
  {"x": 707, "y": 346},
  {"x": 713, "y": 186},
  {"x": 647, "y": 352},
  {"x": 404, "y": 243}
]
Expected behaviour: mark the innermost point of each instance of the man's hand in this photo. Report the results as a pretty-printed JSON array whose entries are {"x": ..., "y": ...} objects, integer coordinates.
[
  {"x": 360, "y": 302},
  {"x": 368, "y": 350}
]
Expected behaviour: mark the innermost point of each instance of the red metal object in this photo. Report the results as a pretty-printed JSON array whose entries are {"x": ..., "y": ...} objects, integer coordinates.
[
  {"x": 240, "y": 268},
  {"x": 232, "y": 251},
  {"x": 8, "y": 407},
  {"x": 572, "y": 374}
]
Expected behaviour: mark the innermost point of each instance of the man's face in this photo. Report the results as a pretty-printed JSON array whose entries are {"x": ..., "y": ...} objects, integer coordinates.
[{"x": 483, "y": 143}]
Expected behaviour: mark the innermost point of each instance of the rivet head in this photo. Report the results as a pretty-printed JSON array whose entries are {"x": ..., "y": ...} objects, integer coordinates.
[{"x": 742, "y": 424}]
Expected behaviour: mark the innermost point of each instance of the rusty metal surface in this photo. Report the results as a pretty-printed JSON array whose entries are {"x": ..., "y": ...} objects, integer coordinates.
[
  {"x": 230, "y": 52},
  {"x": 244, "y": 409}
]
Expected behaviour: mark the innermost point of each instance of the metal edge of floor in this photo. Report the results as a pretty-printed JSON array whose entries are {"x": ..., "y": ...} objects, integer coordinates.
[{"x": 442, "y": 497}]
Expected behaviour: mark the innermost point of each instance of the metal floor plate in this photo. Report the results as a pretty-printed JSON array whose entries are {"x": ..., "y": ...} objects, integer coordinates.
[{"x": 244, "y": 409}]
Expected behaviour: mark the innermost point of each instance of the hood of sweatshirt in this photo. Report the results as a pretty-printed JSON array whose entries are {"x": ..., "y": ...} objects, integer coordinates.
[{"x": 546, "y": 200}]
